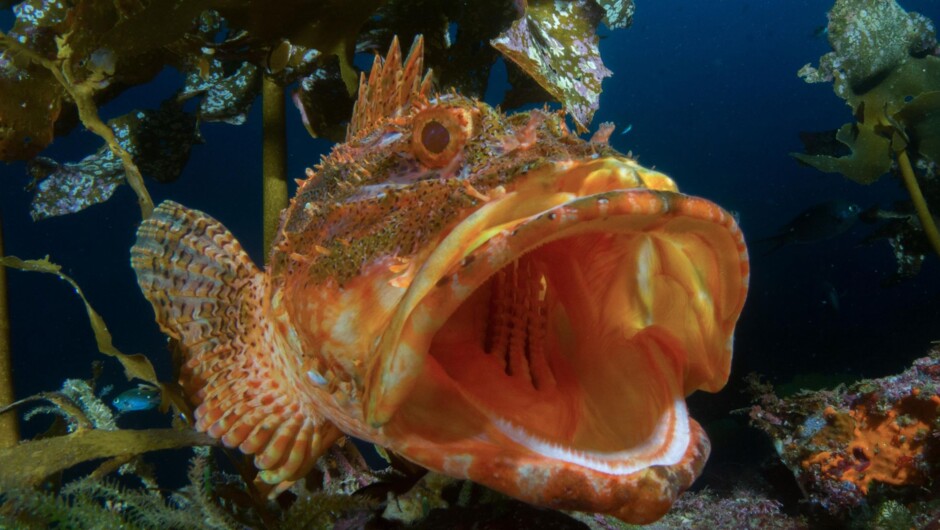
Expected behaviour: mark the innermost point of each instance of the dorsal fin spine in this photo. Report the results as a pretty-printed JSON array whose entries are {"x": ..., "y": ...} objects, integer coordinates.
[{"x": 390, "y": 87}]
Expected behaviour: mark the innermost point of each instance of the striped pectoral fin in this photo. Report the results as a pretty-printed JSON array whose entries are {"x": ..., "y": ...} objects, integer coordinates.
[{"x": 207, "y": 294}]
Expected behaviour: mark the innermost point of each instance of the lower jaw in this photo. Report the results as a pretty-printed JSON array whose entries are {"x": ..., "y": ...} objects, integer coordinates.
[{"x": 494, "y": 460}]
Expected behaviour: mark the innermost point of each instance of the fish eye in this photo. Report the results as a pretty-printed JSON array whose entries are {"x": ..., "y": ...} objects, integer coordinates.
[
  {"x": 435, "y": 137},
  {"x": 440, "y": 134}
]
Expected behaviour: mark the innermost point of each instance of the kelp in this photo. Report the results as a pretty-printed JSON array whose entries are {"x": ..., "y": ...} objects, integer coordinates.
[
  {"x": 879, "y": 65},
  {"x": 95, "y": 503},
  {"x": 273, "y": 159},
  {"x": 9, "y": 429},
  {"x": 28, "y": 463},
  {"x": 136, "y": 365},
  {"x": 555, "y": 43},
  {"x": 86, "y": 53},
  {"x": 883, "y": 65},
  {"x": 60, "y": 59},
  {"x": 159, "y": 139},
  {"x": 903, "y": 97}
]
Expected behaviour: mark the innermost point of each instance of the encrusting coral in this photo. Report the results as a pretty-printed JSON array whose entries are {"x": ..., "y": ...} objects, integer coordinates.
[{"x": 850, "y": 446}]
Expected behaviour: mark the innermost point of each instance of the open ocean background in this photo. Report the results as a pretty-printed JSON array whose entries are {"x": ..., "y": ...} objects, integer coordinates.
[{"x": 711, "y": 92}]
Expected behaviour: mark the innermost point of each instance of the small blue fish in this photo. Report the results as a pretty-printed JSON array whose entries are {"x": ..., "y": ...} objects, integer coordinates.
[
  {"x": 144, "y": 397},
  {"x": 627, "y": 129}
]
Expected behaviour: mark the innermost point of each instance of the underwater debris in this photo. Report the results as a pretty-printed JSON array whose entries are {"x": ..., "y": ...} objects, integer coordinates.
[
  {"x": 853, "y": 445},
  {"x": 555, "y": 43}
]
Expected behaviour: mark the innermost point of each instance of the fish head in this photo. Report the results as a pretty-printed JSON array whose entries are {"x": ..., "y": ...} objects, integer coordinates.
[{"x": 497, "y": 299}]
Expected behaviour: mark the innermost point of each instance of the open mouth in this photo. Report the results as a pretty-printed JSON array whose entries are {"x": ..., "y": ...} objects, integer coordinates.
[
  {"x": 552, "y": 349},
  {"x": 576, "y": 329}
]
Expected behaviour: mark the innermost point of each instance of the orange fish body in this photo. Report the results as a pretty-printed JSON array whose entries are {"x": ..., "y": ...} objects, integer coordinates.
[{"x": 489, "y": 296}]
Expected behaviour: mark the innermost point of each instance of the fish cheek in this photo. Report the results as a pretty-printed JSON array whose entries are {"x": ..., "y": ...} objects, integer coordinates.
[{"x": 436, "y": 412}]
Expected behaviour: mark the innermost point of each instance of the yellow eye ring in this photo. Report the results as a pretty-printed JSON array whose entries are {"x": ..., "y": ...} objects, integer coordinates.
[{"x": 440, "y": 134}]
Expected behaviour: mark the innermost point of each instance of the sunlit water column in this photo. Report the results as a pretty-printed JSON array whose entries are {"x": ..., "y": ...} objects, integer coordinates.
[{"x": 8, "y": 428}]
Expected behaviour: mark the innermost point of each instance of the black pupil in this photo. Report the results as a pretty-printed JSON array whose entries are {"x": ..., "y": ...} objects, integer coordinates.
[{"x": 435, "y": 137}]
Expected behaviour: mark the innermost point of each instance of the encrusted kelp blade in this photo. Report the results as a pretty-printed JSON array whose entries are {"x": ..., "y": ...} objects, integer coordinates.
[
  {"x": 30, "y": 462},
  {"x": 618, "y": 14},
  {"x": 158, "y": 140},
  {"x": 27, "y": 115},
  {"x": 880, "y": 62},
  {"x": 323, "y": 103},
  {"x": 921, "y": 120},
  {"x": 226, "y": 98},
  {"x": 32, "y": 98},
  {"x": 554, "y": 42},
  {"x": 891, "y": 100}
]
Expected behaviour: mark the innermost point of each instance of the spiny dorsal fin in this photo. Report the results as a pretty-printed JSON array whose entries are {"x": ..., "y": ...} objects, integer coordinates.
[{"x": 390, "y": 87}]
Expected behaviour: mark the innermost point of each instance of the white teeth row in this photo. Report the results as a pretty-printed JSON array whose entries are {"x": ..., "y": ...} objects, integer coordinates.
[{"x": 662, "y": 448}]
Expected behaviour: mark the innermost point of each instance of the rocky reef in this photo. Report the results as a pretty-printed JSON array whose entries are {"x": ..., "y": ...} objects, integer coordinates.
[{"x": 854, "y": 448}]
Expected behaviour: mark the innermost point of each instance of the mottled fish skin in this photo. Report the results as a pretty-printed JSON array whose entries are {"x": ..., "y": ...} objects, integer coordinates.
[{"x": 487, "y": 295}]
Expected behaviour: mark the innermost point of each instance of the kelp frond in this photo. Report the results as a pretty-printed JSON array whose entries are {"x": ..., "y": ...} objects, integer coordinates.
[{"x": 91, "y": 502}]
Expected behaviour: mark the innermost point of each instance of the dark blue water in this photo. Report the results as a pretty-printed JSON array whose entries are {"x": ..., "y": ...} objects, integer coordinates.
[{"x": 711, "y": 92}]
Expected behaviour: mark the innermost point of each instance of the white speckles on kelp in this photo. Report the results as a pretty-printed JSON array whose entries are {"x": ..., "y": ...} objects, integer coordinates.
[
  {"x": 554, "y": 43},
  {"x": 618, "y": 14},
  {"x": 158, "y": 140},
  {"x": 869, "y": 38},
  {"x": 227, "y": 98}
]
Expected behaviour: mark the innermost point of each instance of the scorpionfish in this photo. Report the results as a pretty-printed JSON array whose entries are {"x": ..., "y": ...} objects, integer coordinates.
[{"x": 487, "y": 295}]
